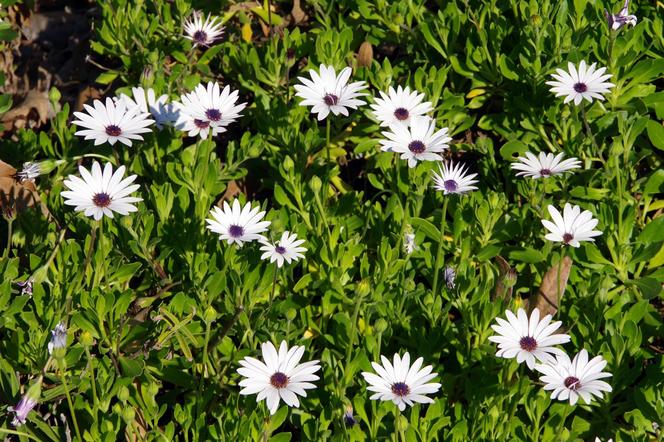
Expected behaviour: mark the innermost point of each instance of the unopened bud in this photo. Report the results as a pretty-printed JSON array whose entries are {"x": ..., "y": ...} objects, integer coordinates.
[{"x": 365, "y": 55}]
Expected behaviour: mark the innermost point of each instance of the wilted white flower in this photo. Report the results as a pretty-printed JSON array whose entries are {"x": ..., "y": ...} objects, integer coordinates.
[
  {"x": 288, "y": 249},
  {"x": 30, "y": 172},
  {"x": 58, "y": 338},
  {"x": 29, "y": 400},
  {"x": 409, "y": 242},
  {"x": 417, "y": 142},
  {"x": 577, "y": 84},
  {"x": 453, "y": 179},
  {"x": 147, "y": 102},
  {"x": 112, "y": 122},
  {"x": 449, "y": 277},
  {"x": 202, "y": 33},
  {"x": 572, "y": 227},
  {"x": 397, "y": 107},
  {"x": 349, "y": 419},
  {"x": 544, "y": 165},
  {"x": 238, "y": 224},
  {"x": 617, "y": 21}
]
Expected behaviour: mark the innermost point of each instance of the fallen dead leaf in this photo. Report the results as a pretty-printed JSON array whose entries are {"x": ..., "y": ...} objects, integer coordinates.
[
  {"x": 552, "y": 289},
  {"x": 504, "y": 288},
  {"x": 297, "y": 13},
  {"x": 32, "y": 112},
  {"x": 17, "y": 195}
]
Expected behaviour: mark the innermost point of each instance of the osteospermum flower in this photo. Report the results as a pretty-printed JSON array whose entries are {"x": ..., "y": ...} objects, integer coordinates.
[
  {"x": 208, "y": 110},
  {"x": 578, "y": 377},
  {"x": 397, "y": 107},
  {"x": 99, "y": 193},
  {"x": 623, "y": 18},
  {"x": 279, "y": 377},
  {"x": 202, "y": 33},
  {"x": 288, "y": 249},
  {"x": 544, "y": 165},
  {"x": 147, "y": 102},
  {"x": 409, "y": 244},
  {"x": 579, "y": 83},
  {"x": 528, "y": 339},
  {"x": 417, "y": 142},
  {"x": 30, "y": 172},
  {"x": 453, "y": 179},
  {"x": 328, "y": 92},
  {"x": 238, "y": 224},
  {"x": 400, "y": 382},
  {"x": 58, "y": 338},
  {"x": 572, "y": 227},
  {"x": 112, "y": 122}
]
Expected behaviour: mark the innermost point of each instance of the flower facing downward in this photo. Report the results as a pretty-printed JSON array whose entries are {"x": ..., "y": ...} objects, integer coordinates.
[
  {"x": 397, "y": 107},
  {"x": 578, "y": 377},
  {"x": 349, "y": 419},
  {"x": 100, "y": 193},
  {"x": 112, "y": 122},
  {"x": 237, "y": 224},
  {"x": 579, "y": 83},
  {"x": 29, "y": 400},
  {"x": 417, "y": 142},
  {"x": 147, "y": 102},
  {"x": 286, "y": 249},
  {"x": 544, "y": 165},
  {"x": 400, "y": 382},
  {"x": 58, "y": 338},
  {"x": 453, "y": 179},
  {"x": 328, "y": 92},
  {"x": 572, "y": 227},
  {"x": 528, "y": 339},
  {"x": 617, "y": 21},
  {"x": 280, "y": 376},
  {"x": 202, "y": 33}
]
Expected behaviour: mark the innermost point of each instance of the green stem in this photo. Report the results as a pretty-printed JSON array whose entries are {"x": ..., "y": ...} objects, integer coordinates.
[
  {"x": 19, "y": 433},
  {"x": 99, "y": 273},
  {"x": 327, "y": 163},
  {"x": 589, "y": 132},
  {"x": 353, "y": 327},
  {"x": 563, "y": 419},
  {"x": 439, "y": 254},
  {"x": 205, "y": 348},
  {"x": 397, "y": 423},
  {"x": 93, "y": 383},
  {"x": 274, "y": 285},
  {"x": 266, "y": 426},
  {"x": 63, "y": 375}
]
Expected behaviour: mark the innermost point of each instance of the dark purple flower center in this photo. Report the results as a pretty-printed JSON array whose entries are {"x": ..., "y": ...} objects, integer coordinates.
[
  {"x": 200, "y": 37},
  {"x": 545, "y": 172},
  {"x": 331, "y": 99},
  {"x": 567, "y": 237},
  {"x": 416, "y": 147},
  {"x": 101, "y": 200},
  {"x": 450, "y": 185},
  {"x": 235, "y": 231},
  {"x": 201, "y": 124},
  {"x": 400, "y": 389},
  {"x": 528, "y": 343},
  {"x": 280, "y": 250},
  {"x": 279, "y": 380},
  {"x": 401, "y": 114},
  {"x": 572, "y": 383},
  {"x": 213, "y": 114},
  {"x": 113, "y": 131},
  {"x": 580, "y": 87}
]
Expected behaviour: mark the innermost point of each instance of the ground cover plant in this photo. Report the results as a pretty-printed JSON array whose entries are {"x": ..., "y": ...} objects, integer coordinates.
[{"x": 332, "y": 220}]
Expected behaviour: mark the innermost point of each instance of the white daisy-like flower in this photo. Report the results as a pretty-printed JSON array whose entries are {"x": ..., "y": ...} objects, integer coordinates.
[
  {"x": 417, "y": 142},
  {"x": 280, "y": 377},
  {"x": 623, "y": 18},
  {"x": 30, "y": 171},
  {"x": 579, "y": 83},
  {"x": 578, "y": 377},
  {"x": 202, "y": 32},
  {"x": 112, "y": 122},
  {"x": 100, "y": 193},
  {"x": 400, "y": 382},
  {"x": 397, "y": 107},
  {"x": 238, "y": 224},
  {"x": 572, "y": 227},
  {"x": 544, "y": 165},
  {"x": 288, "y": 249},
  {"x": 208, "y": 110},
  {"x": 453, "y": 179},
  {"x": 528, "y": 339},
  {"x": 328, "y": 92},
  {"x": 158, "y": 107}
]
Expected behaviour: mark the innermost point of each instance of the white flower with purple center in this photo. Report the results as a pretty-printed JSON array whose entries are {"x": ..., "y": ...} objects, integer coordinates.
[
  {"x": 419, "y": 142},
  {"x": 238, "y": 224},
  {"x": 399, "y": 106},
  {"x": 147, "y": 102},
  {"x": 572, "y": 227},
  {"x": 584, "y": 82},
  {"x": 453, "y": 179},
  {"x": 544, "y": 165},
  {"x": 112, "y": 122},
  {"x": 287, "y": 249},
  {"x": 202, "y": 32}
]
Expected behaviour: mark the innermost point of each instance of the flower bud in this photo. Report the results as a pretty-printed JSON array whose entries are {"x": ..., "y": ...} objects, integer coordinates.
[
  {"x": 380, "y": 325},
  {"x": 365, "y": 55}
]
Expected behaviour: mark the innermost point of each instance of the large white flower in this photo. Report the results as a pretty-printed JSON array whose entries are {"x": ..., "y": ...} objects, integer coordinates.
[
  {"x": 417, "y": 142},
  {"x": 281, "y": 376},
  {"x": 328, "y": 92},
  {"x": 579, "y": 83},
  {"x": 578, "y": 377},
  {"x": 147, "y": 102},
  {"x": 400, "y": 382},
  {"x": 288, "y": 249},
  {"x": 527, "y": 339},
  {"x": 208, "y": 110},
  {"x": 101, "y": 193},
  {"x": 453, "y": 179},
  {"x": 544, "y": 165},
  {"x": 112, "y": 122},
  {"x": 202, "y": 33},
  {"x": 238, "y": 224},
  {"x": 397, "y": 107},
  {"x": 572, "y": 227}
]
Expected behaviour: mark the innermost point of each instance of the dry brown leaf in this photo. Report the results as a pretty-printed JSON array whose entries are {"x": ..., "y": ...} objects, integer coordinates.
[
  {"x": 365, "y": 55},
  {"x": 17, "y": 195},
  {"x": 32, "y": 112},
  {"x": 87, "y": 94},
  {"x": 552, "y": 289},
  {"x": 297, "y": 13},
  {"x": 505, "y": 281},
  {"x": 232, "y": 190}
]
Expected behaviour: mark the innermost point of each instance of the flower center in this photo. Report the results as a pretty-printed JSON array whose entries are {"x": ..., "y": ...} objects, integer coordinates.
[
  {"x": 101, "y": 200},
  {"x": 528, "y": 343},
  {"x": 213, "y": 114},
  {"x": 280, "y": 250},
  {"x": 331, "y": 99},
  {"x": 400, "y": 389},
  {"x": 401, "y": 114},
  {"x": 235, "y": 231},
  {"x": 416, "y": 147},
  {"x": 580, "y": 87},
  {"x": 201, "y": 124},
  {"x": 545, "y": 172},
  {"x": 113, "y": 131},
  {"x": 567, "y": 237},
  {"x": 451, "y": 185},
  {"x": 279, "y": 380},
  {"x": 572, "y": 383},
  {"x": 200, "y": 37}
]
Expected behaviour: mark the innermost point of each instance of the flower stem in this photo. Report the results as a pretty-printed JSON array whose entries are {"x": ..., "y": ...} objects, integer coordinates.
[
  {"x": 353, "y": 327},
  {"x": 563, "y": 419},
  {"x": 439, "y": 254},
  {"x": 397, "y": 424},
  {"x": 10, "y": 222},
  {"x": 589, "y": 132},
  {"x": 63, "y": 378},
  {"x": 274, "y": 285},
  {"x": 559, "y": 271},
  {"x": 327, "y": 163}
]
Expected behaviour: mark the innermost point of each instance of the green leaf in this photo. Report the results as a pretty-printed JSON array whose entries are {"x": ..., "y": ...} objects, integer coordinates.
[
  {"x": 511, "y": 147},
  {"x": 527, "y": 255},
  {"x": 656, "y": 134},
  {"x": 427, "y": 227},
  {"x": 650, "y": 287},
  {"x": 653, "y": 231}
]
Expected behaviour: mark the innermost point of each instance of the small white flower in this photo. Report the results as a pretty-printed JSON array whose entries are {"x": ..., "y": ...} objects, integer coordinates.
[
  {"x": 409, "y": 242},
  {"x": 572, "y": 227},
  {"x": 453, "y": 179},
  {"x": 397, "y": 107},
  {"x": 147, "y": 102},
  {"x": 417, "y": 142},
  {"x": 208, "y": 110},
  {"x": 30, "y": 172},
  {"x": 286, "y": 249},
  {"x": 528, "y": 339},
  {"x": 328, "y": 92},
  {"x": 202, "y": 33},
  {"x": 617, "y": 21},
  {"x": 584, "y": 82},
  {"x": 238, "y": 224},
  {"x": 112, "y": 122},
  {"x": 544, "y": 165},
  {"x": 58, "y": 338},
  {"x": 578, "y": 377},
  {"x": 98, "y": 194},
  {"x": 400, "y": 382},
  {"x": 281, "y": 376}
]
